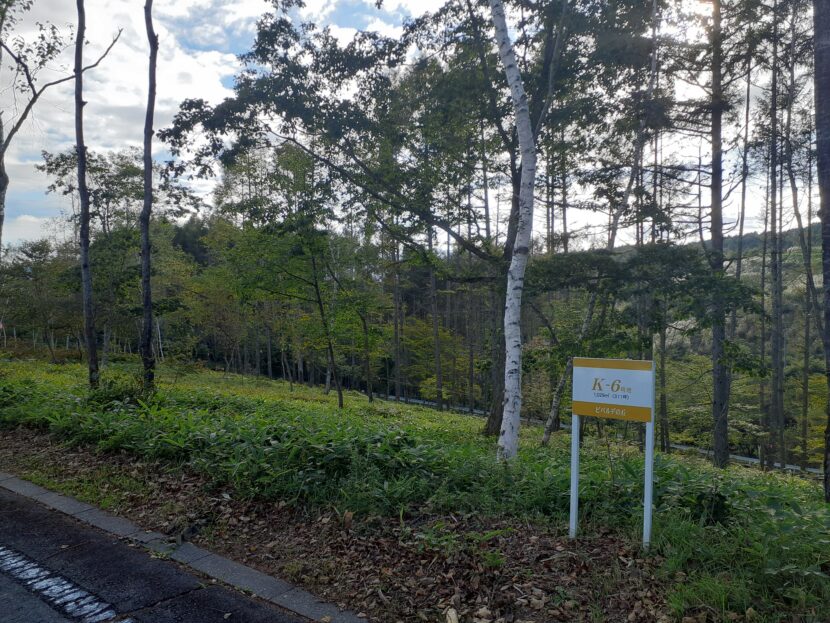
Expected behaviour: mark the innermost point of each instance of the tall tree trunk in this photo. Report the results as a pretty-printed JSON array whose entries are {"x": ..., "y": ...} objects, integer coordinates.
[
  {"x": 257, "y": 352},
  {"x": 821, "y": 23},
  {"x": 549, "y": 199},
  {"x": 493, "y": 425},
  {"x": 509, "y": 435},
  {"x": 806, "y": 255},
  {"x": 105, "y": 345},
  {"x": 269, "y": 354},
  {"x": 471, "y": 370},
  {"x": 777, "y": 294},
  {"x": 396, "y": 295},
  {"x": 554, "y": 421},
  {"x": 665, "y": 442},
  {"x": 720, "y": 369},
  {"x": 763, "y": 403},
  {"x": 158, "y": 336},
  {"x": 245, "y": 362},
  {"x": 4, "y": 186},
  {"x": 287, "y": 373},
  {"x": 367, "y": 357},
  {"x": 485, "y": 182},
  {"x": 4, "y": 176},
  {"x": 146, "y": 348},
  {"x": 805, "y": 383},
  {"x": 808, "y": 312},
  {"x": 83, "y": 193},
  {"x": 563, "y": 172},
  {"x": 436, "y": 340},
  {"x": 50, "y": 344},
  {"x": 733, "y": 328},
  {"x": 329, "y": 341}
]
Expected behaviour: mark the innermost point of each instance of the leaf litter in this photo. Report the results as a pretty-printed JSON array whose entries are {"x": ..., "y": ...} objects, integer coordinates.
[{"x": 445, "y": 568}]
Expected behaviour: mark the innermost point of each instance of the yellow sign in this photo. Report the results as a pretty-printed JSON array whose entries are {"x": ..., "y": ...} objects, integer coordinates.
[
  {"x": 621, "y": 389},
  {"x": 613, "y": 388}
]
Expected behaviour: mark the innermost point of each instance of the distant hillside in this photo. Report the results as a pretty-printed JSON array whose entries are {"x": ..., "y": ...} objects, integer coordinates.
[{"x": 753, "y": 242}]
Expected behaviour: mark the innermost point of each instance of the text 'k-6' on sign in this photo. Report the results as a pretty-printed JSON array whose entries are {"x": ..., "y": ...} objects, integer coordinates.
[{"x": 621, "y": 389}]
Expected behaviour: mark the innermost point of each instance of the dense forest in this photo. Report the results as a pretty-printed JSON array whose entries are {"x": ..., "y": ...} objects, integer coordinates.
[{"x": 373, "y": 213}]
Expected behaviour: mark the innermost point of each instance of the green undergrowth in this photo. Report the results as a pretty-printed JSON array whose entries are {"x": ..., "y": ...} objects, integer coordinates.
[
  {"x": 733, "y": 541},
  {"x": 106, "y": 487}
]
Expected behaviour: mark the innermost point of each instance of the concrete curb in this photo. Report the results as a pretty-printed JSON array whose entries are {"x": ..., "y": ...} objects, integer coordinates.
[{"x": 200, "y": 560}]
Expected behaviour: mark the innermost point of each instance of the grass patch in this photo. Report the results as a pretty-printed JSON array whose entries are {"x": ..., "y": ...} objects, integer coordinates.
[
  {"x": 106, "y": 488},
  {"x": 732, "y": 541}
]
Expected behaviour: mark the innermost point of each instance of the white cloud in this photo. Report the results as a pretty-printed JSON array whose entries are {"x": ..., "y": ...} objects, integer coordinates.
[
  {"x": 344, "y": 35},
  {"x": 413, "y": 8},
  {"x": 317, "y": 11},
  {"x": 182, "y": 8},
  {"x": 384, "y": 28},
  {"x": 26, "y": 227}
]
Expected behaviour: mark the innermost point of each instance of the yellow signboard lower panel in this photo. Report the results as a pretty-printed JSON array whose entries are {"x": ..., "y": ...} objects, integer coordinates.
[{"x": 616, "y": 412}]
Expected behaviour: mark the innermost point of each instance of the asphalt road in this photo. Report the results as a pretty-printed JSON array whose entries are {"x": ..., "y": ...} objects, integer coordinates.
[
  {"x": 55, "y": 570},
  {"x": 18, "y": 605}
]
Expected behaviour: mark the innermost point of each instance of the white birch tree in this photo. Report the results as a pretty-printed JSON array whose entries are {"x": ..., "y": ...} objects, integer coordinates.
[{"x": 509, "y": 434}]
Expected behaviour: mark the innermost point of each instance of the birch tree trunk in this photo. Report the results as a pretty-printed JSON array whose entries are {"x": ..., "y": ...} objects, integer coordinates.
[
  {"x": 83, "y": 193},
  {"x": 821, "y": 23},
  {"x": 147, "y": 359},
  {"x": 509, "y": 435}
]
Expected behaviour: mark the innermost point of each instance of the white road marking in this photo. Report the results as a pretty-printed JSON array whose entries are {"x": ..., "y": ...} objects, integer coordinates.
[{"x": 58, "y": 592}]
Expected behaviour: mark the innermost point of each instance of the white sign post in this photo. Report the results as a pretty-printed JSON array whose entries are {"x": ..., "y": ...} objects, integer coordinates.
[{"x": 621, "y": 389}]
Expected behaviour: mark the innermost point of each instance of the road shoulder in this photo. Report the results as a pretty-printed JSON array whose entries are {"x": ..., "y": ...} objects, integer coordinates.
[{"x": 41, "y": 536}]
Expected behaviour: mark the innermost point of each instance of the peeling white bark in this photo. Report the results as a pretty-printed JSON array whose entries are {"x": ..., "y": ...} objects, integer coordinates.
[{"x": 509, "y": 435}]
